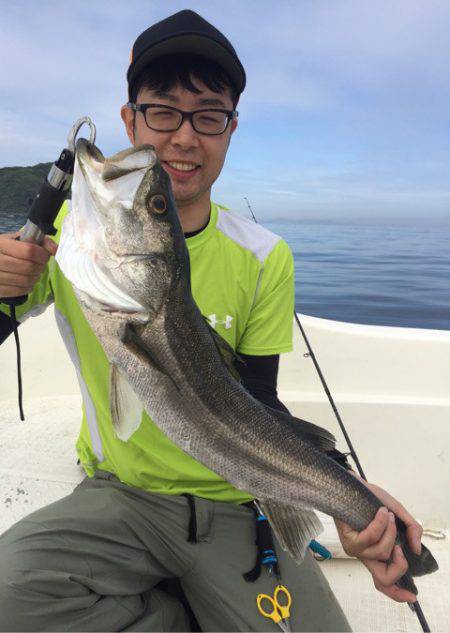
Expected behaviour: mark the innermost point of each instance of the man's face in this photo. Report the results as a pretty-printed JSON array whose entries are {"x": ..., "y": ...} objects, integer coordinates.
[{"x": 184, "y": 145}]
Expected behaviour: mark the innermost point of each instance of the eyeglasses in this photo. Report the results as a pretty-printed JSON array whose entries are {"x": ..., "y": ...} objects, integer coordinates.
[{"x": 162, "y": 118}]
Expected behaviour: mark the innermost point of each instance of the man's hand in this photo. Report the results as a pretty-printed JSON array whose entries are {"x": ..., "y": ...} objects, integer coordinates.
[
  {"x": 375, "y": 545},
  {"x": 22, "y": 263}
]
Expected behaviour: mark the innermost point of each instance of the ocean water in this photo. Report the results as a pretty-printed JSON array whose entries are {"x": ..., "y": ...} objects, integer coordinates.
[
  {"x": 381, "y": 275},
  {"x": 11, "y": 221}
]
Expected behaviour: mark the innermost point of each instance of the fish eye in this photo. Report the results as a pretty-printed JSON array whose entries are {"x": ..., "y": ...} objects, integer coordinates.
[{"x": 157, "y": 203}]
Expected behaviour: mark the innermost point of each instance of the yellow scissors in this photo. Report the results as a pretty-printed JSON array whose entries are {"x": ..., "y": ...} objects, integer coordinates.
[{"x": 280, "y": 610}]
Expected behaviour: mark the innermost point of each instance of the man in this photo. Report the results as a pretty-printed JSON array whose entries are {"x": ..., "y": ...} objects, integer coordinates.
[{"x": 147, "y": 512}]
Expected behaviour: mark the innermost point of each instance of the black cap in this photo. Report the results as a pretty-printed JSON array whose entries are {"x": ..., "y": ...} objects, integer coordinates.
[{"x": 185, "y": 32}]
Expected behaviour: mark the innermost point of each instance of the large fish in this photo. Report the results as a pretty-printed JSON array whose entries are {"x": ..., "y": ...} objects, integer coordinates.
[{"x": 123, "y": 249}]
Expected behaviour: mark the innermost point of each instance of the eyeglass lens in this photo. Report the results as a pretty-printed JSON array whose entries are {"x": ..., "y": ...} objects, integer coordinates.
[{"x": 207, "y": 122}]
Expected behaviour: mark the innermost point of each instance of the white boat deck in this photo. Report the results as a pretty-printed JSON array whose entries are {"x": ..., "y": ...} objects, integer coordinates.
[{"x": 399, "y": 424}]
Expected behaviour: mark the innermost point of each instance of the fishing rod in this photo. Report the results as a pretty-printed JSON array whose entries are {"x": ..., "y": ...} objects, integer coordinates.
[
  {"x": 414, "y": 606},
  {"x": 42, "y": 215}
]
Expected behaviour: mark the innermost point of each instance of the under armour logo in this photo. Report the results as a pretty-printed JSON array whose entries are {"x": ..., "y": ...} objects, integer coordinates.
[{"x": 226, "y": 322}]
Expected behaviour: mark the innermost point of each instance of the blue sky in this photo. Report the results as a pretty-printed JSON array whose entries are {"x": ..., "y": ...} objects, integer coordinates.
[{"x": 346, "y": 114}]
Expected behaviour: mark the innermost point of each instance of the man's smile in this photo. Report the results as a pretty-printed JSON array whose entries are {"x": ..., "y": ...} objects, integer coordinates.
[{"x": 181, "y": 169}]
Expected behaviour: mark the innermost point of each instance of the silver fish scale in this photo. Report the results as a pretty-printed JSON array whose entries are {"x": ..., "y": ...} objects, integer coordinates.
[{"x": 213, "y": 418}]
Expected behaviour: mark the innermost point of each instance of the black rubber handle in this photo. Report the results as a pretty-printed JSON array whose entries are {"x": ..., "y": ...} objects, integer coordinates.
[{"x": 46, "y": 205}]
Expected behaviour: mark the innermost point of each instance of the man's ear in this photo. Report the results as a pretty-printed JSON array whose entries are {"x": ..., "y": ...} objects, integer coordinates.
[
  {"x": 232, "y": 128},
  {"x": 128, "y": 117}
]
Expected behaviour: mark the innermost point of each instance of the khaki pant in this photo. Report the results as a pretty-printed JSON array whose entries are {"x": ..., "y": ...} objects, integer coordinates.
[{"x": 91, "y": 562}]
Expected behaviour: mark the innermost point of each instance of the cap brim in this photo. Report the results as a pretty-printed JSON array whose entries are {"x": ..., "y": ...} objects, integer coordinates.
[{"x": 195, "y": 44}]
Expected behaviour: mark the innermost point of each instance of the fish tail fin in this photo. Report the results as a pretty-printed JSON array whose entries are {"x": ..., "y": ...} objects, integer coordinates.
[
  {"x": 421, "y": 564},
  {"x": 293, "y": 527},
  {"x": 418, "y": 564},
  {"x": 407, "y": 582}
]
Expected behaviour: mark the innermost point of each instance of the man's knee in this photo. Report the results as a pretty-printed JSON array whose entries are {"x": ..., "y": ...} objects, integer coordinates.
[
  {"x": 28, "y": 584},
  {"x": 166, "y": 613},
  {"x": 12, "y": 585}
]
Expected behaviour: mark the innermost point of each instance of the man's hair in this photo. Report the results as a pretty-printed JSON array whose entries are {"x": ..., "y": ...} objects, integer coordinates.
[{"x": 165, "y": 72}]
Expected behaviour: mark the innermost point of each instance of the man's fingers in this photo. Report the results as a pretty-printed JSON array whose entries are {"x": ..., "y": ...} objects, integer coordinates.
[
  {"x": 49, "y": 245},
  {"x": 396, "y": 593},
  {"x": 25, "y": 250},
  {"x": 387, "y": 574},
  {"x": 375, "y": 530},
  {"x": 378, "y": 539},
  {"x": 382, "y": 549},
  {"x": 414, "y": 536},
  {"x": 356, "y": 542},
  {"x": 413, "y": 529},
  {"x": 20, "y": 266},
  {"x": 8, "y": 292},
  {"x": 19, "y": 281}
]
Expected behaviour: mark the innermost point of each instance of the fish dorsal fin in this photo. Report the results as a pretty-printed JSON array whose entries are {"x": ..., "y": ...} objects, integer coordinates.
[
  {"x": 319, "y": 437},
  {"x": 229, "y": 356},
  {"x": 293, "y": 527},
  {"x": 126, "y": 408}
]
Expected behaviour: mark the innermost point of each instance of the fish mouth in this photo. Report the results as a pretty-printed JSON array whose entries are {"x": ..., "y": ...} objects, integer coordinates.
[
  {"x": 88, "y": 153},
  {"x": 86, "y": 148},
  {"x": 139, "y": 158},
  {"x": 106, "y": 185}
]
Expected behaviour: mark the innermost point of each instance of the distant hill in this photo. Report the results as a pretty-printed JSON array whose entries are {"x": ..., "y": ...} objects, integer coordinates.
[{"x": 17, "y": 185}]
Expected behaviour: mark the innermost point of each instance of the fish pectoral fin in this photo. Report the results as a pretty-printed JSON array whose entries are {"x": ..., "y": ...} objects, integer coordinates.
[
  {"x": 126, "y": 408},
  {"x": 294, "y": 527},
  {"x": 229, "y": 356},
  {"x": 319, "y": 437},
  {"x": 134, "y": 343}
]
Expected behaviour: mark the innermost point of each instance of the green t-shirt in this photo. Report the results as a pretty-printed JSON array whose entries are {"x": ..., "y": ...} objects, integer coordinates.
[{"x": 242, "y": 279}]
